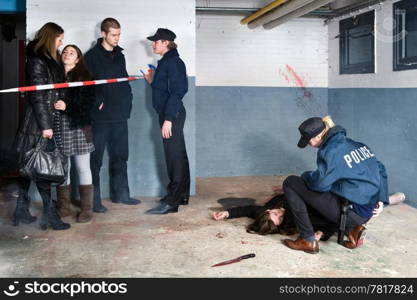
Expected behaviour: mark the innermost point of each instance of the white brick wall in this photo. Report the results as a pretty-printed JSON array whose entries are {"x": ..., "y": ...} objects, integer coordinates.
[
  {"x": 139, "y": 19},
  {"x": 384, "y": 77},
  {"x": 230, "y": 54}
]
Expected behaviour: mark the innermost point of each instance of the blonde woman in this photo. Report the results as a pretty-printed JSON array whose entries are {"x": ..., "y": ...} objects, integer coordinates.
[{"x": 346, "y": 170}]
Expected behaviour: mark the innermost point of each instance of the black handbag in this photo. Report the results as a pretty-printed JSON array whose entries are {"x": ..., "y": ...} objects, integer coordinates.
[{"x": 42, "y": 163}]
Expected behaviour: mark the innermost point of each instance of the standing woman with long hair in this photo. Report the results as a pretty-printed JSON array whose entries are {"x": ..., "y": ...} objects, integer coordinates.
[
  {"x": 43, "y": 67},
  {"x": 77, "y": 134}
]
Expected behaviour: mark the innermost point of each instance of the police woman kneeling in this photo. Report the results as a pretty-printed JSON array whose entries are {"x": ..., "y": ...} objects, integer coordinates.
[{"x": 346, "y": 170}]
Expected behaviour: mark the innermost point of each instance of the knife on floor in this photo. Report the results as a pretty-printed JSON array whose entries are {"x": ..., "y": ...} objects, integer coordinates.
[{"x": 235, "y": 260}]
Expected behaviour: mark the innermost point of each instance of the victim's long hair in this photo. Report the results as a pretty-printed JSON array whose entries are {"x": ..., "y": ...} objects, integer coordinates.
[{"x": 263, "y": 224}]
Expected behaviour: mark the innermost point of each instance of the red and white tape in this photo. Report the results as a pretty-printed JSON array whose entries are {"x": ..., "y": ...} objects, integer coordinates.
[{"x": 68, "y": 84}]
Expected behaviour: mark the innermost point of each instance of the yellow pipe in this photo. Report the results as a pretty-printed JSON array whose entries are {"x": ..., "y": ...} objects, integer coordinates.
[{"x": 262, "y": 11}]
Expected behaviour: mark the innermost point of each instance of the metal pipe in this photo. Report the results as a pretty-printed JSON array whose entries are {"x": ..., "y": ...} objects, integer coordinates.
[
  {"x": 279, "y": 12},
  {"x": 262, "y": 11},
  {"x": 345, "y": 11},
  {"x": 325, "y": 13},
  {"x": 297, "y": 13},
  {"x": 226, "y": 9}
]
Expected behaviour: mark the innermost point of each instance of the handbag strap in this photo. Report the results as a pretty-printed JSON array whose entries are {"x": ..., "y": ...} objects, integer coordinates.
[{"x": 41, "y": 143}]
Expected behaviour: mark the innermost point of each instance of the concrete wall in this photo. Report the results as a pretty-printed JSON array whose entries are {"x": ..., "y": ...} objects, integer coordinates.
[
  {"x": 379, "y": 109},
  {"x": 254, "y": 87},
  {"x": 139, "y": 19}
]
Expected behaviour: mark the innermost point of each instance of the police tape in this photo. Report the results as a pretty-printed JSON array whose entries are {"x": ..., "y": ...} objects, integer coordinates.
[{"x": 68, "y": 84}]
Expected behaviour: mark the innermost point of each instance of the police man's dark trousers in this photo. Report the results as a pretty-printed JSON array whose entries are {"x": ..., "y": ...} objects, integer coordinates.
[
  {"x": 326, "y": 206},
  {"x": 114, "y": 136},
  {"x": 176, "y": 159}
]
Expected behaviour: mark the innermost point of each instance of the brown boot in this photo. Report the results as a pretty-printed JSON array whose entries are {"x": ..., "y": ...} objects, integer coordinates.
[
  {"x": 86, "y": 198},
  {"x": 355, "y": 237},
  {"x": 64, "y": 200},
  {"x": 302, "y": 244}
]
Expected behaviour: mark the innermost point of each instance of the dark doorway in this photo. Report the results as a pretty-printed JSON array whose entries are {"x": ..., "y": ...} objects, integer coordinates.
[{"x": 12, "y": 74}]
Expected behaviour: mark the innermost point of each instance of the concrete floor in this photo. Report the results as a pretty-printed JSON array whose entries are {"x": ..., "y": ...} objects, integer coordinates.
[{"x": 127, "y": 243}]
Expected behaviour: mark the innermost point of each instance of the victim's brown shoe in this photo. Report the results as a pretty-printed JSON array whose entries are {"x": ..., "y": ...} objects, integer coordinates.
[
  {"x": 355, "y": 237},
  {"x": 302, "y": 244}
]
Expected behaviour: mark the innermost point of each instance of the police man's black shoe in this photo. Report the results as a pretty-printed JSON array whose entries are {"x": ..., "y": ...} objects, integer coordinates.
[
  {"x": 128, "y": 201},
  {"x": 162, "y": 209}
]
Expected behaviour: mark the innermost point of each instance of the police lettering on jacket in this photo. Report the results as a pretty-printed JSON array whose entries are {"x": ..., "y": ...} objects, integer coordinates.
[{"x": 357, "y": 155}]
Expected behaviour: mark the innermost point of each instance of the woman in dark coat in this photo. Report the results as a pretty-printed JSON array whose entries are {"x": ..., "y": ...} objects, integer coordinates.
[
  {"x": 43, "y": 67},
  {"x": 77, "y": 134}
]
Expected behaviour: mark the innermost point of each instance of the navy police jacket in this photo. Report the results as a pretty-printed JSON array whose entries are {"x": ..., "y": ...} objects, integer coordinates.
[
  {"x": 116, "y": 97},
  {"x": 349, "y": 169},
  {"x": 169, "y": 85}
]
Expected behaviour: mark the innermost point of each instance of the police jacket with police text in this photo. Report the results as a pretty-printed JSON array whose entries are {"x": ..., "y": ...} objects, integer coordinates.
[
  {"x": 349, "y": 169},
  {"x": 169, "y": 85}
]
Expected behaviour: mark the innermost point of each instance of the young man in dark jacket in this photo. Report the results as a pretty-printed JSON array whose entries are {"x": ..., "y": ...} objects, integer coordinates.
[
  {"x": 110, "y": 114},
  {"x": 169, "y": 85}
]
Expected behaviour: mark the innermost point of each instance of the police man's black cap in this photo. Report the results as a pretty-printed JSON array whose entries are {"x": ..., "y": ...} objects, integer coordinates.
[
  {"x": 309, "y": 129},
  {"x": 162, "y": 34}
]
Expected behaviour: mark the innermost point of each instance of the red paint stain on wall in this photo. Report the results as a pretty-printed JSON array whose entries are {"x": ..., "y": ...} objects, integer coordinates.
[
  {"x": 297, "y": 79},
  {"x": 291, "y": 76},
  {"x": 284, "y": 75}
]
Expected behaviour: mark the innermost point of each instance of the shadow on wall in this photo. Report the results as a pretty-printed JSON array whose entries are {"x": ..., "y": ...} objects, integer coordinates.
[
  {"x": 266, "y": 155},
  {"x": 156, "y": 138}
]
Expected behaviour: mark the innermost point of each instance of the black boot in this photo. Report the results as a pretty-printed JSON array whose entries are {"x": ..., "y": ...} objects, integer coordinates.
[
  {"x": 50, "y": 216},
  {"x": 162, "y": 209},
  {"x": 97, "y": 206},
  {"x": 22, "y": 213}
]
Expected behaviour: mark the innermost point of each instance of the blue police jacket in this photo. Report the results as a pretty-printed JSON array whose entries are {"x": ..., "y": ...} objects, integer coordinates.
[
  {"x": 349, "y": 169},
  {"x": 169, "y": 85}
]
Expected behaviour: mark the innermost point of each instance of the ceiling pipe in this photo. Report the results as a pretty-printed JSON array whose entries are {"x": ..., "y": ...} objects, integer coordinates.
[
  {"x": 262, "y": 11},
  {"x": 279, "y": 12},
  {"x": 322, "y": 13},
  {"x": 226, "y": 9},
  {"x": 297, "y": 13}
]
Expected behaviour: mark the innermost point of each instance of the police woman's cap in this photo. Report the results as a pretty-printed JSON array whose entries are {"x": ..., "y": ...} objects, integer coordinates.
[
  {"x": 162, "y": 34},
  {"x": 309, "y": 129}
]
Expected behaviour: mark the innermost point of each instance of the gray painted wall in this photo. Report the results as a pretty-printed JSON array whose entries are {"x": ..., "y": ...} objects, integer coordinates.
[
  {"x": 146, "y": 165},
  {"x": 384, "y": 119},
  {"x": 253, "y": 130}
]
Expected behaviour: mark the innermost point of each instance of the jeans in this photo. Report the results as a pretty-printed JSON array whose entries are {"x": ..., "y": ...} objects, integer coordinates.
[{"x": 114, "y": 136}]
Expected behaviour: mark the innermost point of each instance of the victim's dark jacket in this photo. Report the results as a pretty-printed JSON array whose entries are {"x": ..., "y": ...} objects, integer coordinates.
[
  {"x": 40, "y": 108},
  {"x": 287, "y": 226},
  {"x": 116, "y": 97},
  {"x": 252, "y": 211},
  {"x": 169, "y": 85}
]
